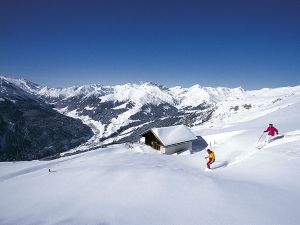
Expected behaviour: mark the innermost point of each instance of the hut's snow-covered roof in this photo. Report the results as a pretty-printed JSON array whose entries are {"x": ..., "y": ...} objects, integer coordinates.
[{"x": 173, "y": 134}]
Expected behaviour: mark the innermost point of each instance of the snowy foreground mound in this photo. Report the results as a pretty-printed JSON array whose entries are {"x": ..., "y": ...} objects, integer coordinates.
[{"x": 138, "y": 186}]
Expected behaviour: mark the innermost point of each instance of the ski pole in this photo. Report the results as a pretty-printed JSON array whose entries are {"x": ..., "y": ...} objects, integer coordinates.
[{"x": 260, "y": 137}]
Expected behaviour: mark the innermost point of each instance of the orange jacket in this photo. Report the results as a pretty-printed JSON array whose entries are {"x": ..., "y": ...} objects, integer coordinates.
[{"x": 212, "y": 156}]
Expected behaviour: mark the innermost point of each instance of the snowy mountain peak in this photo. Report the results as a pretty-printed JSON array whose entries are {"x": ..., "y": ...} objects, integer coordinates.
[
  {"x": 142, "y": 93},
  {"x": 24, "y": 84},
  {"x": 145, "y": 93}
]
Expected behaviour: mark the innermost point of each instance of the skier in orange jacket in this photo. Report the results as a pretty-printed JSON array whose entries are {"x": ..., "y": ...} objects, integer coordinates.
[{"x": 211, "y": 157}]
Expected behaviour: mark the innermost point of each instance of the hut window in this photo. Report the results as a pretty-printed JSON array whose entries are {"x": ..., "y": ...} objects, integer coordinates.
[{"x": 155, "y": 145}]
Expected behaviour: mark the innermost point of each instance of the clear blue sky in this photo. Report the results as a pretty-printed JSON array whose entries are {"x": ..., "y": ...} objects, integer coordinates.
[{"x": 252, "y": 44}]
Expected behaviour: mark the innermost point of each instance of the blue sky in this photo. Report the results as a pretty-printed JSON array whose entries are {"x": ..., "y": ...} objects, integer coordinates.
[{"x": 252, "y": 44}]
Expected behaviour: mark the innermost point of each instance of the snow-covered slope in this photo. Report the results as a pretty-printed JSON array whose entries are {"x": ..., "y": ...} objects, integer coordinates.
[
  {"x": 121, "y": 186},
  {"x": 254, "y": 104}
]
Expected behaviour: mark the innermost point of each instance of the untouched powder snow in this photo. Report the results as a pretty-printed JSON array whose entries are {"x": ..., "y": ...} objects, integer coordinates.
[{"x": 123, "y": 185}]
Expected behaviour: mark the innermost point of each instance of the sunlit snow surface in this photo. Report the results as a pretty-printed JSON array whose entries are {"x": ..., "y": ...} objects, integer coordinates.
[
  {"x": 120, "y": 185},
  {"x": 128, "y": 186}
]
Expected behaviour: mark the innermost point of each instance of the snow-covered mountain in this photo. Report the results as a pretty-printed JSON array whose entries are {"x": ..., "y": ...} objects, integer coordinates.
[
  {"x": 120, "y": 186},
  {"x": 30, "y": 128},
  {"x": 121, "y": 113}
]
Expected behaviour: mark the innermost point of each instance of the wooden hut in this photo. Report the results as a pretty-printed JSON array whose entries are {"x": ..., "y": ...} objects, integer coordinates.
[{"x": 169, "y": 140}]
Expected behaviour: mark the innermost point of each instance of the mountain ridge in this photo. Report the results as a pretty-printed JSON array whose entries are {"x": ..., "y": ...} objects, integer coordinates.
[{"x": 121, "y": 113}]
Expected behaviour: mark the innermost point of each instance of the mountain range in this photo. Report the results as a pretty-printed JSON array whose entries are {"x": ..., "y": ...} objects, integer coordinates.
[{"x": 121, "y": 113}]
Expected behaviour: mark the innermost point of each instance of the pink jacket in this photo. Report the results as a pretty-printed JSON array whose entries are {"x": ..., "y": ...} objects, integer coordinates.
[{"x": 271, "y": 131}]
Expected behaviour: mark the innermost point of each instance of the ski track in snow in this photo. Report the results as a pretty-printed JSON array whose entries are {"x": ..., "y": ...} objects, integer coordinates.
[{"x": 287, "y": 138}]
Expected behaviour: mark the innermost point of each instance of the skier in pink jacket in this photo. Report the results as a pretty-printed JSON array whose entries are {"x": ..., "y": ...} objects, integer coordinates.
[{"x": 272, "y": 131}]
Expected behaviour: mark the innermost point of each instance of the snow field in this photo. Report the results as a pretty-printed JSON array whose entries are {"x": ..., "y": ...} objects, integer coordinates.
[
  {"x": 140, "y": 186},
  {"x": 127, "y": 186},
  {"x": 118, "y": 186}
]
